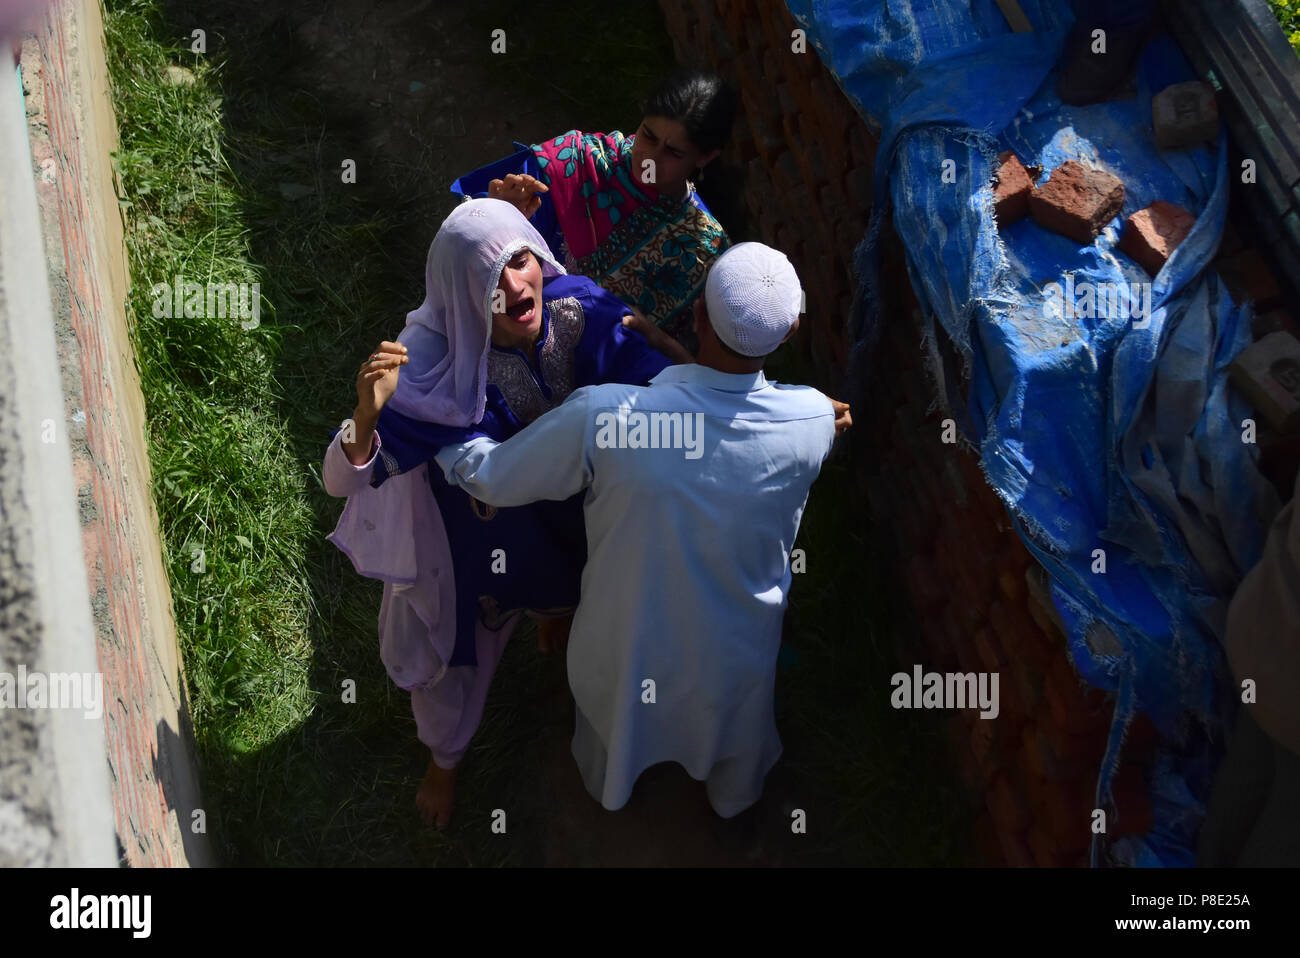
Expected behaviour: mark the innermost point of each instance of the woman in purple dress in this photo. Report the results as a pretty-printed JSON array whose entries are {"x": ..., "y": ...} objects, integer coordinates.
[{"x": 503, "y": 336}]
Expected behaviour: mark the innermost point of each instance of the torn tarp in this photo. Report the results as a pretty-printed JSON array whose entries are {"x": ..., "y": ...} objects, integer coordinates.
[{"x": 1110, "y": 432}]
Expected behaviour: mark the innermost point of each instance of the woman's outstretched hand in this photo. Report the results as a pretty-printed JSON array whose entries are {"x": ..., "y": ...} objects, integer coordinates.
[
  {"x": 521, "y": 190},
  {"x": 376, "y": 383},
  {"x": 377, "y": 380}
]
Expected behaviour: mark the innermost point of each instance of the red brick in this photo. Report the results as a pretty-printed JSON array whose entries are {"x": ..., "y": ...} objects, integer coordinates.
[
  {"x": 1061, "y": 700},
  {"x": 1077, "y": 201},
  {"x": 1066, "y": 812},
  {"x": 1041, "y": 752},
  {"x": 991, "y": 654},
  {"x": 1011, "y": 586},
  {"x": 1015, "y": 849},
  {"x": 1083, "y": 747},
  {"x": 1016, "y": 553},
  {"x": 863, "y": 146},
  {"x": 1018, "y": 633},
  {"x": 1006, "y": 802},
  {"x": 962, "y": 639},
  {"x": 925, "y": 589},
  {"x": 1049, "y": 851},
  {"x": 983, "y": 740},
  {"x": 987, "y": 847},
  {"x": 1026, "y": 684},
  {"x": 1151, "y": 235},
  {"x": 1011, "y": 189},
  {"x": 1184, "y": 115},
  {"x": 968, "y": 769},
  {"x": 1041, "y": 608},
  {"x": 975, "y": 581}
]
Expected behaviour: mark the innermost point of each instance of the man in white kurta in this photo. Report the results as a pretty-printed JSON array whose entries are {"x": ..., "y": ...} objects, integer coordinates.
[{"x": 695, "y": 488}]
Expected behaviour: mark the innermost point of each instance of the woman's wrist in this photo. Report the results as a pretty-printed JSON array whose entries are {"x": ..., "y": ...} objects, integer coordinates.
[
  {"x": 365, "y": 418},
  {"x": 358, "y": 449}
]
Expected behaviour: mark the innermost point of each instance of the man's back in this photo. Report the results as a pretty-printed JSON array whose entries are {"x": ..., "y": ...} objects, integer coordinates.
[{"x": 698, "y": 483}]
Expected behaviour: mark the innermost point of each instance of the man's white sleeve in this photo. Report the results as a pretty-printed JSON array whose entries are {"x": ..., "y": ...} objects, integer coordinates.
[{"x": 547, "y": 460}]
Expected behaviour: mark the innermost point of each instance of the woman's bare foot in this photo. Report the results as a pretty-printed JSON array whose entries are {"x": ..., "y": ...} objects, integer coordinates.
[
  {"x": 553, "y": 633},
  {"x": 435, "y": 795}
]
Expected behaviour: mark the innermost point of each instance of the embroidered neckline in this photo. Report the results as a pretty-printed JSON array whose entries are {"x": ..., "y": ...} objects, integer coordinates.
[{"x": 510, "y": 371}]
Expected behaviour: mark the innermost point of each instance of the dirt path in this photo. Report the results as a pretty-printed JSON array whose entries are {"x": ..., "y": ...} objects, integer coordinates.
[{"x": 668, "y": 820}]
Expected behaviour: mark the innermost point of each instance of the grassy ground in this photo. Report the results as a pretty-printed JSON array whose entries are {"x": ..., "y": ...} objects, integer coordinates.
[{"x": 235, "y": 177}]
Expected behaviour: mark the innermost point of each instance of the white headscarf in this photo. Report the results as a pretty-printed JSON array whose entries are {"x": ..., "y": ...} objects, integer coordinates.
[{"x": 448, "y": 337}]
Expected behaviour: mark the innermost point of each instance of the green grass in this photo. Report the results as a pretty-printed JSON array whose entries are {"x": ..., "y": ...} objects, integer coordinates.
[
  {"x": 238, "y": 420},
  {"x": 225, "y": 479}
]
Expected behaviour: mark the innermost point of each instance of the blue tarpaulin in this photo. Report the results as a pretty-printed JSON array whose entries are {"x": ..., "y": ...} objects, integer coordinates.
[{"x": 1108, "y": 430}]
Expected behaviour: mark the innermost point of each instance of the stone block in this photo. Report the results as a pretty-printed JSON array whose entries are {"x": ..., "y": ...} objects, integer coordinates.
[
  {"x": 1184, "y": 115},
  {"x": 1267, "y": 373}
]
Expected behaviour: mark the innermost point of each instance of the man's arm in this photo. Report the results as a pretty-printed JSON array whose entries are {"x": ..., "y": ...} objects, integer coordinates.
[{"x": 548, "y": 460}]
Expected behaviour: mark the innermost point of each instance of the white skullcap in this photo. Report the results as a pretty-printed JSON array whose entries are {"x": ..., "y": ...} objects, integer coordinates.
[{"x": 753, "y": 297}]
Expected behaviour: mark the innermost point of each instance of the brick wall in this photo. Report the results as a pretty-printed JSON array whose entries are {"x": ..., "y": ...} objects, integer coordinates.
[
  {"x": 805, "y": 156},
  {"x": 72, "y": 130}
]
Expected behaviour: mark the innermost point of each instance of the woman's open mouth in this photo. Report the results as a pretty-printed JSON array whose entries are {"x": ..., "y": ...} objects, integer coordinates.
[{"x": 522, "y": 311}]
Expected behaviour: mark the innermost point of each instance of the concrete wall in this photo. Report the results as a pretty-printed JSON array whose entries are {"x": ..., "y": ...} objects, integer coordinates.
[
  {"x": 72, "y": 130},
  {"x": 55, "y": 800}
]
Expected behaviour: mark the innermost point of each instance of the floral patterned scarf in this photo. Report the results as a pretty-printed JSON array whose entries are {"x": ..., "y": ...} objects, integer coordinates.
[{"x": 650, "y": 250}]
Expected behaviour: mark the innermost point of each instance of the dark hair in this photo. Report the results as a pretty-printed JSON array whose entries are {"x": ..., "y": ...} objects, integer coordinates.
[{"x": 701, "y": 102}]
